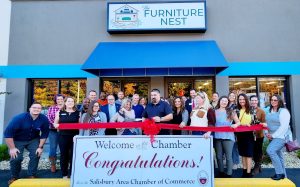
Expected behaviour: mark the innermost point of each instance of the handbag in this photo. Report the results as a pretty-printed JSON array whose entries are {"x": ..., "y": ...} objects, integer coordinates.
[{"x": 292, "y": 145}]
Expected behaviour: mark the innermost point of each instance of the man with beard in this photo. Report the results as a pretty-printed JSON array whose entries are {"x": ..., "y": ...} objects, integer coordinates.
[
  {"x": 160, "y": 111},
  {"x": 85, "y": 105}
]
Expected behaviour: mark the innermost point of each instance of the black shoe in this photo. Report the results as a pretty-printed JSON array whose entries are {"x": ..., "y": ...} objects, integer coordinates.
[
  {"x": 278, "y": 177},
  {"x": 244, "y": 173},
  {"x": 221, "y": 175},
  {"x": 249, "y": 175},
  {"x": 227, "y": 176},
  {"x": 257, "y": 169}
]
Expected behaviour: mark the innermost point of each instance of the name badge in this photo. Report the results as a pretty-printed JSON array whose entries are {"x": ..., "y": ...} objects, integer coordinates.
[{"x": 190, "y": 103}]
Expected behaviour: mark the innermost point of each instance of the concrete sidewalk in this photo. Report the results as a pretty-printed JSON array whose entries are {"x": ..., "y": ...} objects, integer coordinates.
[{"x": 293, "y": 175}]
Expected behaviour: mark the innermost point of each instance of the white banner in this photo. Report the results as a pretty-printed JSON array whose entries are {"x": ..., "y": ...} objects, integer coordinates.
[
  {"x": 129, "y": 161},
  {"x": 157, "y": 16}
]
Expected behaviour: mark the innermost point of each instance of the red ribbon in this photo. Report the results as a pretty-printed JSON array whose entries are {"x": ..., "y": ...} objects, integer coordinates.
[{"x": 149, "y": 127}]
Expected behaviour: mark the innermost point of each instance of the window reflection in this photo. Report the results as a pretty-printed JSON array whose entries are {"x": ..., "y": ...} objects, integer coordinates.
[
  {"x": 111, "y": 86},
  {"x": 242, "y": 85},
  {"x": 182, "y": 86},
  {"x": 129, "y": 86},
  {"x": 204, "y": 85},
  {"x": 45, "y": 90},
  {"x": 269, "y": 86},
  {"x": 179, "y": 88},
  {"x": 74, "y": 88}
]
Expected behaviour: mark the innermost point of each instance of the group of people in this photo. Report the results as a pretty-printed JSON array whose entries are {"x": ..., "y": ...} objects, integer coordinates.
[{"x": 29, "y": 130}]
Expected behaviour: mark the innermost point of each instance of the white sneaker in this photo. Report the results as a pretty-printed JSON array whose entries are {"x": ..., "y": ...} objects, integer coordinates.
[
  {"x": 65, "y": 177},
  {"x": 235, "y": 166}
]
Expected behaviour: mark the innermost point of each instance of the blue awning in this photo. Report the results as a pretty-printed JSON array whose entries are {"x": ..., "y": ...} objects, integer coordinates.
[
  {"x": 44, "y": 71},
  {"x": 261, "y": 68},
  {"x": 186, "y": 58}
]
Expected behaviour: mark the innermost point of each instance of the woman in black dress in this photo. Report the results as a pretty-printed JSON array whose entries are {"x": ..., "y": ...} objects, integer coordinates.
[
  {"x": 180, "y": 114},
  {"x": 68, "y": 114}
]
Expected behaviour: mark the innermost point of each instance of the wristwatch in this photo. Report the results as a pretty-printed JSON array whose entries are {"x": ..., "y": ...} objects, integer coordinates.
[{"x": 41, "y": 147}]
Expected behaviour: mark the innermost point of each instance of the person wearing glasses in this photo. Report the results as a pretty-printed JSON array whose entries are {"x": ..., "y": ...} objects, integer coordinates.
[
  {"x": 29, "y": 131},
  {"x": 278, "y": 120},
  {"x": 110, "y": 110},
  {"x": 93, "y": 115}
]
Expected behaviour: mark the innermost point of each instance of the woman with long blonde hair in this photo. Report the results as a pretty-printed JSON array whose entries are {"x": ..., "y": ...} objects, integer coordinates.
[{"x": 203, "y": 114}]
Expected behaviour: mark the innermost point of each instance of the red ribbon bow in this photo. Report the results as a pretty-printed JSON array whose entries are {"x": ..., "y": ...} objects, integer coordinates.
[{"x": 151, "y": 129}]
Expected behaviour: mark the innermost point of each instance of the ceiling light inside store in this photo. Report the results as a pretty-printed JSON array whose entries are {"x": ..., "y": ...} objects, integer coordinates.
[
  {"x": 205, "y": 84},
  {"x": 199, "y": 87},
  {"x": 280, "y": 86},
  {"x": 237, "y": 83},
  {"x": 271, "y": 82}
]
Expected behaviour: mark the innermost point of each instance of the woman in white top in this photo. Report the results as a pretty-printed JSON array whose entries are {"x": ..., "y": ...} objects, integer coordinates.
[
  {"x": 278, "y": 120},
  {"x": 201, "y": 114},
  {"x": 125, "y": 114}
]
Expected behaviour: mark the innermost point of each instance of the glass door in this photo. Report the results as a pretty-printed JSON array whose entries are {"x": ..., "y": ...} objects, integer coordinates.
[{"x": 181, "y": 86}]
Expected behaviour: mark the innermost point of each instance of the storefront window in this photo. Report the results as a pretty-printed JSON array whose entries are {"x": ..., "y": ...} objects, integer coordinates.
[
  {"x": 139, "y": 88},
  {"x": 269, "y": 86},
  {"x": 74, "y": 88},
  {"x": 243, "y": 85},
  {"x": 129, "y": 86},
  {"x": 45, "y": 90},
  {"x": 179, "y": 88},
  {"x": 182, "y": 86},
  {"x": 204, "y": 85},
  {"x": 112, "y": 86}
]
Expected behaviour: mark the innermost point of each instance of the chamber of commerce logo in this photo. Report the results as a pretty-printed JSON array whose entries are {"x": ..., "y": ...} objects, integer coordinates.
[
  {"x": 126, "y": 17},
  {"x": 202, "y": 178}
]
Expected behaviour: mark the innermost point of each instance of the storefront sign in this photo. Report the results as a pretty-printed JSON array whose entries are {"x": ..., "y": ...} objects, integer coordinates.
[
  {"x": 156, "y": 17},
  {"x": 132, "y": 161}
]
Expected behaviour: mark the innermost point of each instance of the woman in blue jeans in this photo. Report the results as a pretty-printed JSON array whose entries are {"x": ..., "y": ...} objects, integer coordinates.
[
  {"x": 224, "y": 141},
  {"x": 53, "y": 134},
  {"x": 278, "y": 119}
]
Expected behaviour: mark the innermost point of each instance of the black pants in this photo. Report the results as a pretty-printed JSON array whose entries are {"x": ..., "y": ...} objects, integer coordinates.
[
  {"x": 110, "y": 131},
  {"x": 257, "y": 154},
  {"x": 66, "y": 153}
]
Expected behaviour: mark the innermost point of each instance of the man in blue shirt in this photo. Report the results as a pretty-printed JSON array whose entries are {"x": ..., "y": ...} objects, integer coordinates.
[
  {"x": 138, "y": 110},
  {"x": 160, "y": 111},
  {"x": 28, "y": 130}
]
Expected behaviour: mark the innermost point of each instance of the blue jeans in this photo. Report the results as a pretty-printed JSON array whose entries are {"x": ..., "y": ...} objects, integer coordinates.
[
  {"x": 128, "y": 132},
  {"x": 235, "y": 154},
  {"x": 221, "y": 147},
  {"x": 198, "y": 132},
  {"x": 275, "y": 153},
  {"x": 53, "y": 141},
  {"x": 15, "y": 164}
]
